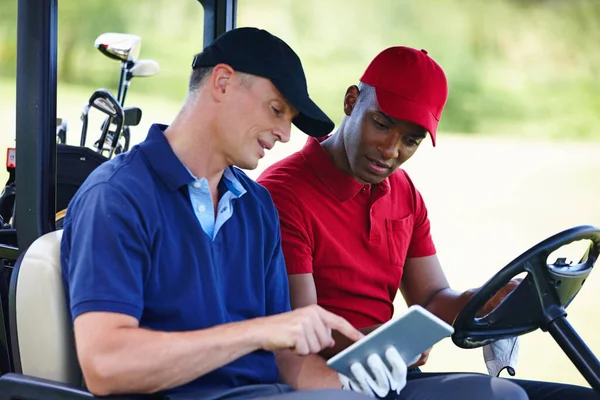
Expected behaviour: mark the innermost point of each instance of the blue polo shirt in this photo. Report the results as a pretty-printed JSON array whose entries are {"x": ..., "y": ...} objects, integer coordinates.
[{"x": 132, "y": 244}]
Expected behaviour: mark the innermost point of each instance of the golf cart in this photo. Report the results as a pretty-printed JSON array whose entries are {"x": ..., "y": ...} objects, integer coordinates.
[{"x": 40, "y": 363}]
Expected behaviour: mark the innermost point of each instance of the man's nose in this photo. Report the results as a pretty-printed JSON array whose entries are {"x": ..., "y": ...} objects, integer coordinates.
[
  {"x": 389, "y": 148},
  {"x": 283, "y": 133}
]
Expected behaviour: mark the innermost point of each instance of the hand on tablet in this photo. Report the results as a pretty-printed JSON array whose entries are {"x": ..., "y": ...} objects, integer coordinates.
[
  {"x": 420, "y": 360},
  {"x": 305, "y": 330},
  {"x": 376, "y": 379}
]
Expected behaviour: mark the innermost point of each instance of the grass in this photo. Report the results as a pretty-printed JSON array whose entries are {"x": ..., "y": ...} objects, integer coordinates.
[{"x": 489, "y": 198}]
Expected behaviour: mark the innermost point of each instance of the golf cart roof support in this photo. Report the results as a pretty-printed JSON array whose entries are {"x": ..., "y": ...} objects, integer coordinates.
[
  {"x": 219, "y": 17},
  {"x": 36, "y": 119}
]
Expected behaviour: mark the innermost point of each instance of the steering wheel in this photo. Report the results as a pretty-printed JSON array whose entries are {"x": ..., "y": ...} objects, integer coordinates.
[{"x": 539, "y": 301}]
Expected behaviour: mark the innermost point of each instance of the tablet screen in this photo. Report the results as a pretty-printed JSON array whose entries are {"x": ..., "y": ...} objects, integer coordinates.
[{"x": 412, "y": 333}]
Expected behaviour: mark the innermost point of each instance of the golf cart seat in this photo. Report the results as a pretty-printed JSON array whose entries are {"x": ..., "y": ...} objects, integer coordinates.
[
  {"x": 43, "y": 348},
  {"x": 41, "y": 334}
]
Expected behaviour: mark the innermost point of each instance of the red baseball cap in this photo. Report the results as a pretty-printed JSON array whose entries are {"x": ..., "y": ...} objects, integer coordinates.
[{"x": 409, "y": 85}]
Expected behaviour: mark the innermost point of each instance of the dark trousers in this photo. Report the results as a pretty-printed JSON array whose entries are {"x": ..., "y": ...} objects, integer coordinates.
[
  {"x": 450, "y": 386},
  {"x": 419, "y": 386},
  {"x": 270, "y": 392},
  {"x": 459, "y": 386}
]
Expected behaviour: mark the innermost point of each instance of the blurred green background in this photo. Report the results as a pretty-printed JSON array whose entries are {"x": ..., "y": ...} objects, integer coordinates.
[
  {"x": 518, "y": 147},
  {"x": 523, "y": 67}
]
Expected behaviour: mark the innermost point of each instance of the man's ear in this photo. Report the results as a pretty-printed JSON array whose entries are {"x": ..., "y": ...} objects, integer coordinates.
[
  {"x": 220, "y": 80},
  {"x": 350, "y": 99}
]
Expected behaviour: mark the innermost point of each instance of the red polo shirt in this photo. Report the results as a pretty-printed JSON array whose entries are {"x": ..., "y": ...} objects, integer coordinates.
[{"x": 353, "y": 238}]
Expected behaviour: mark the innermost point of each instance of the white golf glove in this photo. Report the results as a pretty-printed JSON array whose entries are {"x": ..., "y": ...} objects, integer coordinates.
[
  {"x": 380, "y": 382},
  {"x": 500, "y": 355}
]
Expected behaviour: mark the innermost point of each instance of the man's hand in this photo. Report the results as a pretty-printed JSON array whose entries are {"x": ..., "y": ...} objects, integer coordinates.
[
  {"x": 499, "y": 297},
  {"x": 421, "y": 360},
  {"x": 378, "y": 381},
  {"x": 305, "y": 330}
]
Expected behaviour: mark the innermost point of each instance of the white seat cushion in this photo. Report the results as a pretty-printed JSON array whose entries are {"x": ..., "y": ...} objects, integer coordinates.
[{"x": 45, "y": 334}]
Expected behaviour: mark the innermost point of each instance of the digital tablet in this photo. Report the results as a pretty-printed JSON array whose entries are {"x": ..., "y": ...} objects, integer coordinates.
[{"x": 412, "y": 333}]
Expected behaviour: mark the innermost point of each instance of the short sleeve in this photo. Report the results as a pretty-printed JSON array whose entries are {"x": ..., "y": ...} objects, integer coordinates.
[
  {"x": 296, "y": 241},
  {"x": 105, "y": 253},
  {"x": 421, "y": 244}
]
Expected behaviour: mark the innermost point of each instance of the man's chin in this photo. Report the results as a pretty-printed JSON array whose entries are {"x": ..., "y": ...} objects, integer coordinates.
[
  {"x": 367, "y": 178},
  {"x": 247, "y": 165}
]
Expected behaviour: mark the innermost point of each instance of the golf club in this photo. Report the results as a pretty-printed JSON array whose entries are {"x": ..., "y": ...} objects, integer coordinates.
[
  {"x": 140, "y": 68},
  {"x": 122, "y": 47},
  {"x": 105, "y": 102}
]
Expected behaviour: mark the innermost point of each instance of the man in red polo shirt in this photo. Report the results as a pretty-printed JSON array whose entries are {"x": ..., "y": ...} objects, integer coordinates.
[{"x": 355, "y": 229}]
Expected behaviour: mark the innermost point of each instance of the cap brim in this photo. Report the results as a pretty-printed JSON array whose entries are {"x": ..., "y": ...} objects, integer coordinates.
[
  {"x": 311, "y": 119},
  {"x": 407, "y": 110}
]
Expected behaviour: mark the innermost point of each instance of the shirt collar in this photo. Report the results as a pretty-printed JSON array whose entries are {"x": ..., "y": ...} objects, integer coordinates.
[
  {"x": 343, "y": 186},
  {"x": 233, "y": 183},
  {"x": 171, "y": 170},
  {"x": 163, "y": 160},
  {"x": 229, "y": 182}
]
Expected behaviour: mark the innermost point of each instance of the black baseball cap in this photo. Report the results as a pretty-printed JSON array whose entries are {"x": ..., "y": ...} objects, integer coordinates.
[{"x": 257, "y": 52}]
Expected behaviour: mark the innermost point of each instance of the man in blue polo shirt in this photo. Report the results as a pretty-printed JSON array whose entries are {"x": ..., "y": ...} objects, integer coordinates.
[{"x": 171, "y": 257}]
